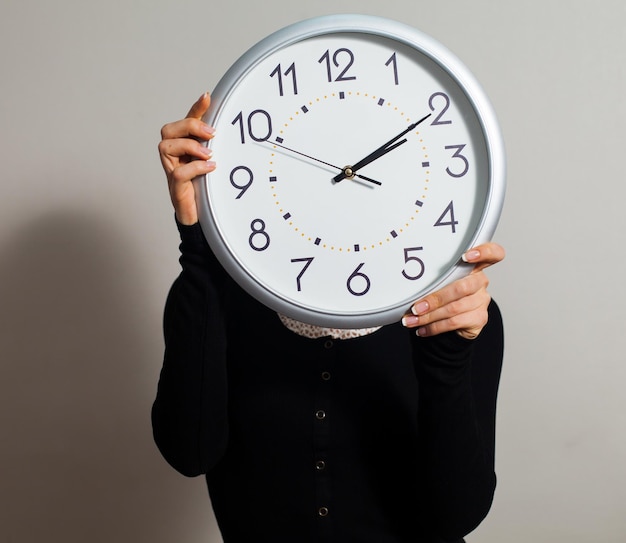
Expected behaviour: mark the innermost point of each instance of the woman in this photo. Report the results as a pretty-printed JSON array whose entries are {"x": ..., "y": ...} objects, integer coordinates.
[{"x": 304, "y": 434}]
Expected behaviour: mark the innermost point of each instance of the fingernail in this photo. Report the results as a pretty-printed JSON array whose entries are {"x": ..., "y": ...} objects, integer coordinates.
[
  {"x": 409, "y": 320},
  {"x": 210, "y": 164},
  {"x": 208, "y": 129},
  {"x": 420, "y": 308},
  {"x": 470, "y": 256},
  {"x": 206, "y": 151}
]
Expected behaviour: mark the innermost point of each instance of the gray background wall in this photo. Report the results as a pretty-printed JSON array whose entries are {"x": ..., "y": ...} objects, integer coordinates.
[{"x": 88, "y": 250}]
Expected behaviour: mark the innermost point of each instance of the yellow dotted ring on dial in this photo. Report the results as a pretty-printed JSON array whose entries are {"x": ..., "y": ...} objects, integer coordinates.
[{"x": 394, "y": 232}]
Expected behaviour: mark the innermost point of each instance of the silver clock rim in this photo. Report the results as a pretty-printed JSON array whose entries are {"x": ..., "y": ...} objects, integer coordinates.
[{"x": 364, "y": 24}]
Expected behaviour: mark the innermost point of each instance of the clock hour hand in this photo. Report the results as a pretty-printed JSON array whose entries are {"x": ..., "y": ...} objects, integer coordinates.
[
  {"x": 393, "y": 143},
  {"x": 369, "y": 179}
]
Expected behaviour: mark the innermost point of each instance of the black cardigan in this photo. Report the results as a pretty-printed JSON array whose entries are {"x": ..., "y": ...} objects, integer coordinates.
[{"x": 387, "y": 438}]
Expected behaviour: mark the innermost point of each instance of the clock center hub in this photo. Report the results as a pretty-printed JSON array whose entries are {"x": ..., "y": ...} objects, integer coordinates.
[{"x": 349, "y": 172}]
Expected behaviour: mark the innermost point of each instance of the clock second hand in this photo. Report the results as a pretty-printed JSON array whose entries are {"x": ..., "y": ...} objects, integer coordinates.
[{"x": 325, "y": 163}]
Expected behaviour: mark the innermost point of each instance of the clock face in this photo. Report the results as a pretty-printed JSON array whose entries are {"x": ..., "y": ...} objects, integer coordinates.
[{"x": 354, "y": 170}]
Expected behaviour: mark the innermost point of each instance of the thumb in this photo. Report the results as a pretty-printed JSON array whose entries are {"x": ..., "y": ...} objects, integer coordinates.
[{"x": 200, "y": 107}]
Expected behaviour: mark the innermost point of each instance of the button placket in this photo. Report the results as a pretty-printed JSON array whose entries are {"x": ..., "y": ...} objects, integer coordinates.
[{"x": 322, "y": 417}]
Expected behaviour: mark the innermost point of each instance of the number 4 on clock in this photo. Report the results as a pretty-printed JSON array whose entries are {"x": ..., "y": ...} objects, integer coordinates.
[{"x": 448, "y": 214}]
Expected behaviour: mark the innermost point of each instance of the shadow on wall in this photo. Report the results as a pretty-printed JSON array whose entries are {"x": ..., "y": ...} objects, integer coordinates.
[{"x": 77, "y": 376}]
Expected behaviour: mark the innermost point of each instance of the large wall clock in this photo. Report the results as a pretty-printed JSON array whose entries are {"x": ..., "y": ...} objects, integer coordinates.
[{"x": 358, "y": 159}]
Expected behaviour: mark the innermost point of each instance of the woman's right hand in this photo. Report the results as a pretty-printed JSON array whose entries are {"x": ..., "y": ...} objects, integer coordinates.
[{"x": 183, "y": 158}]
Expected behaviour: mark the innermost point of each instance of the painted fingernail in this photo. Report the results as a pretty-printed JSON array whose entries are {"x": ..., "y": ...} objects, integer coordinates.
[
  {"x": 206, "y": 151},
  {"x": 420, "y": 308},
  {"x": 470, "y": 256},
  {"x": 409, "y": 320},
  {"x": 210, "y": 164},
  {"x": 208, "y": 129}
]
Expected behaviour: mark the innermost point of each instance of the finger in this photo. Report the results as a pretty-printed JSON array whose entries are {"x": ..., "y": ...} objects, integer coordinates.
[
  {"x": 187, "y": 127},
  {"x": 468, "y": 324},
  {"x": 182, "y": 191},
  {"x": 465, "y": 304},
  {"x": 181, "y": 175},
  {"x": 192, "y": 125},
  {"x": 459, "y": 289},
  {"x": 200, "y": 107},
  {"x": 458, "y": 306},
  {"x": 484, "y": 255},
  {"x": 172, "y": 149},
  {"x": 467, "y": 316}
]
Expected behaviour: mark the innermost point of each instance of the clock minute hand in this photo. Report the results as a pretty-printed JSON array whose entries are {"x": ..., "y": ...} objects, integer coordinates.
[
  {"x": 393, "y": 143},
  {"x": 389, "y": 146}
]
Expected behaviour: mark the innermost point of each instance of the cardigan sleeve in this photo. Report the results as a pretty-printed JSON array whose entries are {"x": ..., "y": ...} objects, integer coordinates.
[
  {"x": 189, "y": 415},
  {"x": 459, "y": 381}
]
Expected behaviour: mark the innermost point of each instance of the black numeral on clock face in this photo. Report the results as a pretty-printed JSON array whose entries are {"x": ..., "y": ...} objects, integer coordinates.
[
  {"x": 447, "y": 218},
  {"x": 259, "y": 240},
  {"x": 358, "y": 283},
  {"x": 394, "y": 64},
  {"x": 415, "y": 266},
  {"x": 279, "y": 75},
  {"x": 258, "y": 126},
  {"x": 433, "y": 102},
  {"x": 246, "y": 176},
  {"x": 341, "y": 58},
  {"x": 307, "y": 261},
  {"x": 457, "y": 154}
]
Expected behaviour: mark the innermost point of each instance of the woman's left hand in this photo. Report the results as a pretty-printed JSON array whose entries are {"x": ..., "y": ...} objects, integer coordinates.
[{"x": 460, "y": 306}]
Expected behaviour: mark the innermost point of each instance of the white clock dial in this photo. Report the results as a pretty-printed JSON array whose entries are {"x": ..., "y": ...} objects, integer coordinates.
[{"x": 297, "y": 215}]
